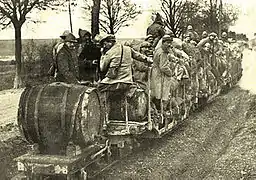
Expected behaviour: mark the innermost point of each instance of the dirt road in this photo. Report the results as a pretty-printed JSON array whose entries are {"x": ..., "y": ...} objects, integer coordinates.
[{"x": 9, "y": 105}]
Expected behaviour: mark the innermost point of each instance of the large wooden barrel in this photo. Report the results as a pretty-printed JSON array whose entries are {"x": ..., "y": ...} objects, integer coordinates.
[{"x": 52, "y": 115}]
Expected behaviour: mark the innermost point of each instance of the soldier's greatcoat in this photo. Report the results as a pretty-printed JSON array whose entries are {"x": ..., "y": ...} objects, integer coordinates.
[
  {"x": 162, "y": 75},
  {"x": 88, "y": 53},
  {"x": 67, "y": 68}
]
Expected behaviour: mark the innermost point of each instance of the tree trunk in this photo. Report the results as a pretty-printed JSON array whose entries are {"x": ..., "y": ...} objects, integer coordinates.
[
  {"x": 18, "y": 77},
  {"x": 95, "y": 17}
]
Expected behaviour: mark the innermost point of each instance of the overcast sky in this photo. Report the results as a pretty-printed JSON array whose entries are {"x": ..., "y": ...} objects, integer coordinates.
[{"x": 55, "y": 23}]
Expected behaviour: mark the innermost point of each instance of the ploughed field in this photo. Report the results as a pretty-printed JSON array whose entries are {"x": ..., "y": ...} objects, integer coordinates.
[{"x": 217, "y": 142}]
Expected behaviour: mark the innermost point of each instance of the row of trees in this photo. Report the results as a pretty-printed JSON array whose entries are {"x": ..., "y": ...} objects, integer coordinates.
[
  {"x": 111, "y": 15},
  {"x": 203, "y": 15}
]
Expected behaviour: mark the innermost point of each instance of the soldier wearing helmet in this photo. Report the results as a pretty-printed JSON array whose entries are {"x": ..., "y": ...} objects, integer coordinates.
[{"x": 162, "y": 74}]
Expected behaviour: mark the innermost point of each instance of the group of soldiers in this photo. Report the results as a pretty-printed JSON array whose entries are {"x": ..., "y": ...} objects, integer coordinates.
[
  {"x": 169, "y": 67},
  {"x": 75, "y": 59}
]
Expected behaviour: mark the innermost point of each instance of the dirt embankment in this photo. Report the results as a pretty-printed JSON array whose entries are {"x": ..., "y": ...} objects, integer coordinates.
[{"x": 216, "y": 143}]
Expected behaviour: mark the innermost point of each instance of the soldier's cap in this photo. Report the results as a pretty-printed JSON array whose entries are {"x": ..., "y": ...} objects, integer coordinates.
[
  {"x": 107, "y": 37},
  {"x": 167, "y": 38},
  {"x": 145, "y": 44},
  {"x": 82, "y": 33},
  {"x": 149, "y": 36},
  {"x": 70, "y": 38},
  {"x": 190, "y": 27},
  {"x": 213, "y": 34},
  {"x": 207, "y": 45},
  {"x": 204, "y": 33},
  {"x": 64, "y": 34},
  {"x": 224, "y": 34}
]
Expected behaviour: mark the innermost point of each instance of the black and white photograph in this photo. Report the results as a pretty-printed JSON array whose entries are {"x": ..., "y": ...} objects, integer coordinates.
[{"x": 127, "y": 89}]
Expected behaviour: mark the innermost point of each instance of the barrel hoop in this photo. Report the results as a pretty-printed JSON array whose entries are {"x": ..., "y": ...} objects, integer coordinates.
[
  {"x": 63, "y": 110},
  {"x": 74, "y": 113},
  {"x": 37, "y": 109},
  {"x": 26, "y": 111},
  {"x": 21, "y": 114}
]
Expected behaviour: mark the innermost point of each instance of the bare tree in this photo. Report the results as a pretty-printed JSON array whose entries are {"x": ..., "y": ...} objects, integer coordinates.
[
  {"x": 95, "y": 29},
  {"x": 15, "y": 12},
  {"x": 177, "y": 14},
  {"x": 209, "y": 15},
  {"x": 218, "y": 15},
  {"x": 116, "y": 14}
]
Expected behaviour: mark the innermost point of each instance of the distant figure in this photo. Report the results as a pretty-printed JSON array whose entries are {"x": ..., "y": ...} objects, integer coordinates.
[
  {"x": 53, "y": 67},
  {"x": 88, "y": 57},
  {"x": 193, "y": 34},
  {"x": 66, "y": 68},
  {"x": 156, "y": 29}
]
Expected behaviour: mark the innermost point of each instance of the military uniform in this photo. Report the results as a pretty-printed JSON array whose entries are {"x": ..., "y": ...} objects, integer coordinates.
[
  {"x": 140, "y": 69},
  {"x": 156, "y": 30},
  {"x": 89, "y": 53},
  {"x": 112, "y": 58},
  {"x": 66, "y": 61},
  {"x": 162, "y": 75}
]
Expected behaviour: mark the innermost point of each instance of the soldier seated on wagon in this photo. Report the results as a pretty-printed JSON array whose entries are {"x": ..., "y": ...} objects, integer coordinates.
[
  {"x": 117, "y": 62},
  {"x": 140, "y": 69},
  {"x": 117, "y": 87}
]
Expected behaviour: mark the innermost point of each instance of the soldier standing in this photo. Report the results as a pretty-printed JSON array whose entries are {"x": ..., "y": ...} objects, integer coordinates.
[
  {"x": 88, "y": 57},
  {"x": 162, "y": 74},
  {"x": 66, "y": 68}
]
